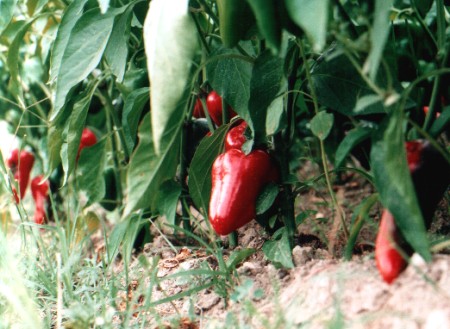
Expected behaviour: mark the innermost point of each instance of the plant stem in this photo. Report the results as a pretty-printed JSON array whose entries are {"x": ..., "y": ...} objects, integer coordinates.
[
  {"x": 233, "y": 239},
  {"x": 200, "y": 33},
  {"x": 335, "y": 204},
  {"x": 107, "y": 102},
  {"x": 110, "y": 118},
  {"x": 183, "y": 176},
  {"x": 282, "y": 143},
  {"x": 442, "y": 54},
  {"x": 352, "y": 30}
]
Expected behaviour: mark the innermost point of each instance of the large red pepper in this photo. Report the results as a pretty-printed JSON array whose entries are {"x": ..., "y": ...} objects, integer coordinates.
[
  {"x": 430, "y": 174},
  {"x": 88, "y": 138},
  {"x": 214, "y": 105},
  {"x": 21, "y": 163},
  {"x": 39, "y": 191},
  {"x": 237, "y": 180},
  {"x": 235, "y": 137}
]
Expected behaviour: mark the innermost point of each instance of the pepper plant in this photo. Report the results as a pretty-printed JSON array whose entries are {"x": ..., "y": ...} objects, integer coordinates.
[{"x": 344, "y": 79}]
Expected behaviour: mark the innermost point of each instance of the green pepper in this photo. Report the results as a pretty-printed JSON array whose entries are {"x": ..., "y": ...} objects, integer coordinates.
[{"x": 109, "y": 201}]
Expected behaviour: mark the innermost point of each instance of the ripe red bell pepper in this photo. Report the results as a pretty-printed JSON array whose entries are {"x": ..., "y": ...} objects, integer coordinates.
[
  {"x": 237, "y": 180},
  {"x": 214, "y": 106},
  {"x": 235, "y": 137},
  {"x": 88, "y": 138},
  {"x": 430, "y": 174},
  {"x": 39, "y": 191},
  {"x": 21, "y": 163}
]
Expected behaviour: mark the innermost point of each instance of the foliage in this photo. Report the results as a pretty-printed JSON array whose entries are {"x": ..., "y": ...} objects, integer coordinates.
[{"x": 344, "y": 77}]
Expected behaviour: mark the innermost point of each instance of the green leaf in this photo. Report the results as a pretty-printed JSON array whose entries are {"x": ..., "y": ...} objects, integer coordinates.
[
  {"x": 167, "y": 203},
  {"x": 116, "y": 51},
  {"x": 393, "y": 181},
  {"x": 84, "y": 50},
  {"x": 71, "y": 16},
  {"x": 360, "y": 215},
  {"x": 170, "y": 39},
  {"x": 379, "y": 34},
  {"x": 135, "y": 78},
  {"x": 201, "y": 166},
  {"x": 55, "y": 136},
  {"x": 6, "y": 13},
  {"x": 230, "y": 77},
  {"x": 239, "y": 256},
  {"x": 353, "y": 138},
  {"x": 235, "y": 20},
  {"x": 339, "y": 86},
  {"x": 266, "y": 82},
  {"x": 91, "y": 165},
  {"x": 321, "y": 124},
  {"x": 132, "y": 109},
  {"x": 366, "y": 101},
  {"x": 266, "y": 198},
  {"x": 312, "y": 17},
  {"x": 13, "y": 59},
  {"x": 268, "y": 21},
  {"x": 276, "y": 116},
  {"x": 35, "y": 6},
  {"x": 3, "y": 175},
  {"x": 147, "y": 170},
  {"x": 424, "y": 6},
  {"x": 279, "y": 251},
  {"x": 441, "y": 123},
  {"x": 73, "y": 130},
  {"x": 118, "y": 234}
]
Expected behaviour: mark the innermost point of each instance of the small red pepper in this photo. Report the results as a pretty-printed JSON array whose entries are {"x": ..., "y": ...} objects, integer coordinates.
[
  {"x": 39, "y": 191},
  {"x": 88, "y": 138},
  {"x": 237, "y": 180},
  {"x": 21, "y": 163},
  {"x": 198, "y": 109},
  {"x": 430, "y": 174},
  {"x": 427, "y": 108},
  {"x": 214, "y": 105},
  {"x": 390, "y": 262},
  {"x": 235, "y": 137}
]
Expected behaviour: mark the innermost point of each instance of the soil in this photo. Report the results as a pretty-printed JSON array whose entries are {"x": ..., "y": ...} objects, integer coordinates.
[{"x": 321, "y": 291}]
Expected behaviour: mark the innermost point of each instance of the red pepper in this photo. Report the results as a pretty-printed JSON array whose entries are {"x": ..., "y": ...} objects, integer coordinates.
[
  {"x": 237, "y": 180},
  {"x": 390, "y": 262},
  {"x": 427, "y": 108},
  {"x": 198, "y": 109},
  {"x": 39, "y": 191},
  {"x": 88, "y": 138},
  {"x": 21, "y": 164},
  {"x": 235, "y": 138},
  {"x": 430, "y": 174},
  {"x": 214, "y": 105}
]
